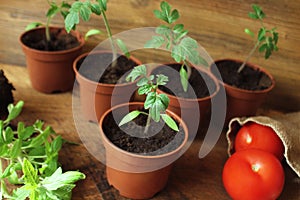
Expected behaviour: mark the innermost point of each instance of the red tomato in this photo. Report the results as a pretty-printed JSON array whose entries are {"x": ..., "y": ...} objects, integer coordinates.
[
  {"x": 256, "y": 136},
  {"x": 253, "y": 175}
]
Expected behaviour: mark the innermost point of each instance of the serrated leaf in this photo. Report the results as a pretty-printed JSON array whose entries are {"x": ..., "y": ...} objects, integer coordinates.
[
  {"x": 21, "y": 193},
  {"x": 143, "y": 81},
  {"x": 91, "y": 33},
  {"x": 184, "y": 78},
  {"x": 150, "y": 100},
  {"x": 145, "y": 89},
  {"x": 170, "y": 122},
  {"x": 137, "y": 71},
  {"x": 33, "y": 25},
  {"x": 161, "y": 79},
  {"x": 123, "y": 47},
  {"x": 71, "y": 20},
  {"x": 164, "y": 100},
  {"x": 177, "y": 54},
  {"x": 30, "y": 174},
  {"x": 85, "y": 12},
  {"x": 155, "y": 42},
  {"x": 129, "y": 117}
]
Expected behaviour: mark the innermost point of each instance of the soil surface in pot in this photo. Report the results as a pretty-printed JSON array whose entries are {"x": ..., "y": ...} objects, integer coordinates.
[
  {"x": 248, "y": 78},
  {"x": 98, "y": 67},
  {"x": 158, "y": 140},
  {"x": 6, "y": 95},
  {"x": 200, "y": 82},
  {"x": 59, "y": 41}
]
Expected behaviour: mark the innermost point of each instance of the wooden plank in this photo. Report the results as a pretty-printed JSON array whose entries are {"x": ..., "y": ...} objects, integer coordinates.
[
  {"x": 217, "y": 25},
  {"x": 191, "y": 178}
]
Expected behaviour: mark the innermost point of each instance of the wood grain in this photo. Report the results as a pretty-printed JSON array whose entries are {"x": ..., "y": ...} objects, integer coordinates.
[
  {"x": 191, "y": 179},
  {"x": 217, "y": 25}
]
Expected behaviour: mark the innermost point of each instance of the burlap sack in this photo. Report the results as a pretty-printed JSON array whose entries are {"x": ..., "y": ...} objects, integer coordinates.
[{"x": 287, "y": 128}]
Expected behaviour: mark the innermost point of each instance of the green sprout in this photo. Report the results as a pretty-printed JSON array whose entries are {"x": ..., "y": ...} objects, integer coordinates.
[
  {"x": 156, "y": 103},
  {"x": 174, "y": 37},
  {"x": 266, "y": 40},
  {"x": 54, "y": 9},
  {"x": 32, "y": 151},
  {"x": 84, "y": 10}
]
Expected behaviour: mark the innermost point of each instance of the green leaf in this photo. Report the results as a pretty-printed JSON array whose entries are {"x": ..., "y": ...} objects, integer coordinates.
[
  {"x": 33, "y": 25},
  {"x": 137, "y": 71},
  {"x": 103, "y": 4},
  {"x": 150, "y": 100},
  {"x": 174, "y": 16},
  {"x": 177, "y": 54},
  {"x": 71, "y": 20},
  {"x": 56, "y": 144},
  {"x": 164, "y": 100},
  {"x": 252, "y": 15},
  {"x": 41, "y": 138},
  {"x": 145, "y": 89},
  {"x": 91, "y": 33},
  {"x": 30, "y": 174},
  {"x": 156, "y": 108},
  {"x": 14, "y": 111},
  {"x": 85, "y": 12},
  {"x": 170, "y": 122},
  {"x": 123, "y": 48},
  {"x": 13, "y": 178},
  {"x": 16, "y": 149},
  {"x": 21, "y": 193},
  {"x": 59, "y": 179},
  {"x": 163, "y": 30},
  {"x": 261, "y": 34},
  {"x": 8, "y": 135},
  {"x": 263, "y": 47},
  {"x": 143, "y": 81},
  {"x": 155, "y": 42},
  {"x": 249, "y": 32},
  {"x": 129, "y": 117},
  {"x": 184, "y": 79},
  {"x": 258, "y": 11},
  {"x": 96, "y": 9},
  {"x": 54, "y": 9},
  {"x": 161, "y": 79}
]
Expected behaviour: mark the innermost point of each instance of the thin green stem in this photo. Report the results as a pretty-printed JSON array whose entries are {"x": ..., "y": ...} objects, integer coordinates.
[
  {"x": 147, "y": 124},
  {"x": 108, "y": 30},
  {"x": 248, "y": 57}
]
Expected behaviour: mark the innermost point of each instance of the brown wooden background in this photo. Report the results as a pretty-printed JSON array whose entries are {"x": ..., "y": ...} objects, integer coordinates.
[{"x": 217, "y": 25}]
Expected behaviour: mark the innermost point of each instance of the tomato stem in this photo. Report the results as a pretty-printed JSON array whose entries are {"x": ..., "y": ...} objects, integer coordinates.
[{"x": 256, "y": 167}]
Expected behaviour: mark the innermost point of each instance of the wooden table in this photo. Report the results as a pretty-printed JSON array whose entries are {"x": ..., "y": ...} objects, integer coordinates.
[{"x": 192, "y": 178}]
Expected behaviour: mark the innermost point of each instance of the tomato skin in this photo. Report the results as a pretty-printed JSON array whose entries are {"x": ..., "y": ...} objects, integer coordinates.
[
  {"x": 242, "y": 182},
  {"x": 256, "y": 136}
]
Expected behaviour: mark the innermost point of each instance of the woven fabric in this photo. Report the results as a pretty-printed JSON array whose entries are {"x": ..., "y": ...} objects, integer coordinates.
[{"x": 287, "y": 127}]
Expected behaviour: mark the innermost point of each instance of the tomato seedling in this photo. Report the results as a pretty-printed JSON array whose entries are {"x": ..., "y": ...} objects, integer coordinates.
[
  {"x": 253, "y": 174},
  {"x": 256, "y": 136}
]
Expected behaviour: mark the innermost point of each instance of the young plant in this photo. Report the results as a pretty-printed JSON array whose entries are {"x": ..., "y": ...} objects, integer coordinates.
[
  {"x": 174, "y": 38},
  {"x": 155, "y": 103},
  {"x": 266, "y": 40},
  {"x": 31, "y": 154},
  {"x": 54, "y": 9},
  {"x": 84, "y": 10}
]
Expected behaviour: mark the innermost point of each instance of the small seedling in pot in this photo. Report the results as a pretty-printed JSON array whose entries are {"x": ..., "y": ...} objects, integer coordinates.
[
  {"x": 31, "y": 154},
  {"x": 174, "y": 38},
  {"x": 266, "y": 40},
  {"x": 155, "y": 103},
  {"x": 54, "y": 9},
  {"x": 84, "y": 10}
]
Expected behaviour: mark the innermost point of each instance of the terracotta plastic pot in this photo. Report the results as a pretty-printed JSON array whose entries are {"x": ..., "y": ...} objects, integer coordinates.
[
  {"x": 241, "y": 102},
  {"x": 96, "y": 98},
  {"x": 51, "y": 71},
  {"x": 191, "y": 109},
  {"x": 138, "y": 176}
]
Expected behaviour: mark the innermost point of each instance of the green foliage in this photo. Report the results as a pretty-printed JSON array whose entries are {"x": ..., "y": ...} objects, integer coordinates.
[
  {"x": 174, "y": 38},
  {"x": 33, "y": 152},
  {"x": 84, "y": 10},
  {"x": 266, "y": 40},
  {"x": 157, "y": 104},
  {"x": 54, "y": 9}
]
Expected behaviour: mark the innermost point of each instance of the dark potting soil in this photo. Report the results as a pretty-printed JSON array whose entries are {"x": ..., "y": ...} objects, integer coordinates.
[
  {"x": 201, "y": 84},
  {"x": 248, "y": 78},
  {"x": 158, "y": 140},
  {"x": 99, "y": 68},
  {"x": 6, "y": 95},
  {"x": 58, "y": 41}
]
